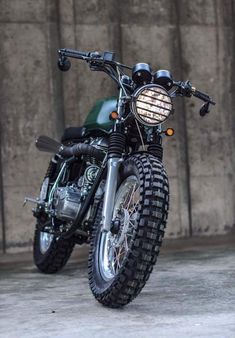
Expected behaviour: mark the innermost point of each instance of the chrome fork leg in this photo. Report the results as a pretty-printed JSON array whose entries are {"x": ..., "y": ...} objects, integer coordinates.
[{"x": 110, "y": 192}]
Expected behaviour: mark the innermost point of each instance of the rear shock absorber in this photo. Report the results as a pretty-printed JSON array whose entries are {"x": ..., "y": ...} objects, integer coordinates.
[
  {"x": 50, "y": 174},
  {"x": 51, "y": 167},
  {"x": 115, "y": 150}
]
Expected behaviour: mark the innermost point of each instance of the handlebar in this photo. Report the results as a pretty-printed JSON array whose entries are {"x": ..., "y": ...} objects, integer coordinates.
[
  {"x": 73, "y": 53},
  {"x": 64, "y": 63},
  {"x": 106, "y": 57},
  {"x": 186, "y": 89},
  {"x": 95, "y": 59},
  {"x": 202, "y": 96},
  {"x": 106, "y": 62}
]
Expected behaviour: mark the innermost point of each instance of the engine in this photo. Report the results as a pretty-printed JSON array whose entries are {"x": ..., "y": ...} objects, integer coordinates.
[
  {"x": 67, "y": 203},
  {"x": 67, "y": 200}
]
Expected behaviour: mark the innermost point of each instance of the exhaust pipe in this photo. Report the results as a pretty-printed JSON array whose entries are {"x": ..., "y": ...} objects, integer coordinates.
[
  {"x": 82, "y": 149},
  {"x": 45, "y": 143}
]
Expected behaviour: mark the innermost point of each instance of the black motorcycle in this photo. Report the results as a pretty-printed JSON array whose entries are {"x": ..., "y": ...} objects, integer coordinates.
[{"x": 106, "y": 184}]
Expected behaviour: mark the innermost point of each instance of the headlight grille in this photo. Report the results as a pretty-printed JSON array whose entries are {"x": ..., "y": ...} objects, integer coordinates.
[{"x": 152, "y": 104}]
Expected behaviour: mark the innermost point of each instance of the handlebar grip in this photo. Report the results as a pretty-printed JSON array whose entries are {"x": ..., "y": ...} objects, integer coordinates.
[
  {"x": 202, "y": 96},
  {"x": 76, "y": 52},
  {"x": 73, "y": 53}
]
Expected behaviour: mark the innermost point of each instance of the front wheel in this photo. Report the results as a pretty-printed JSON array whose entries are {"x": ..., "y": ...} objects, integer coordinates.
[{"x": 120, "y": 261}]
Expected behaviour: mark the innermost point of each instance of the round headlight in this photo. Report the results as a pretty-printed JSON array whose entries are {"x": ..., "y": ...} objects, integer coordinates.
[{"x": 151, "y": 105}]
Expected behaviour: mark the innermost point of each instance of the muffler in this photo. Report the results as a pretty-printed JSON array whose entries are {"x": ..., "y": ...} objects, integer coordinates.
[{"x": 47, "y": 144}]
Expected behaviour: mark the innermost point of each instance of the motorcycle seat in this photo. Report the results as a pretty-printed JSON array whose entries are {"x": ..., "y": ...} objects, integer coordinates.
[{"x": 73, "y": 134}]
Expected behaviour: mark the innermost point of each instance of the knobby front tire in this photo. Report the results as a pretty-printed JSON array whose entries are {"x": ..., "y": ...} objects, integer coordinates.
[{"x": 147, "y": 234}]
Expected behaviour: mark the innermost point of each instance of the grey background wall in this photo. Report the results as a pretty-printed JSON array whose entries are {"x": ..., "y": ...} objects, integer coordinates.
[{"x": 195, "y": 39}]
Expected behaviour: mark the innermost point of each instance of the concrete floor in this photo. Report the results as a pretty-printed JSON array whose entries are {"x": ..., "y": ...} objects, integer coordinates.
[{"x": 191, "y": 293}]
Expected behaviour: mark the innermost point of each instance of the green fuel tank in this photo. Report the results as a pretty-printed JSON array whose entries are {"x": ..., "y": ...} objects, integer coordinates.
[{"x": 98, "y": 117}]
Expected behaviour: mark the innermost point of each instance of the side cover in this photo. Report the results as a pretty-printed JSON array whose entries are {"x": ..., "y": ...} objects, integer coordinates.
[{"x": 98, "y": 117}]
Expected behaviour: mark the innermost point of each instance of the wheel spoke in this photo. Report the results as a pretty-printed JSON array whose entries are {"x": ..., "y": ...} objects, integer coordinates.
[{"x": 132, "y": 193}]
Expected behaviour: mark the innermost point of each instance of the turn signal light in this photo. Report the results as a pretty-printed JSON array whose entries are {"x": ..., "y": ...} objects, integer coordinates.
[
  {"x": 169, "y": 132},
  {"x": 114, "y": 115}
]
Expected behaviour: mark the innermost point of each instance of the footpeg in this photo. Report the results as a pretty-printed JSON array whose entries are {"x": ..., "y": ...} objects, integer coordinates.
[{"x": 31, "y": 200}]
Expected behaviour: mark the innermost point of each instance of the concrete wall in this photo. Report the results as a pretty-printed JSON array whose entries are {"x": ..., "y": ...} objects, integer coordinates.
[{"x": 196, "y": 40}]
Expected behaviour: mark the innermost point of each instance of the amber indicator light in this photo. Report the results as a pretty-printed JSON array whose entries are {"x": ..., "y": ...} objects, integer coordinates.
[
  {"x": 114, "y": 115},
  {"x": 169, "y": 132}
]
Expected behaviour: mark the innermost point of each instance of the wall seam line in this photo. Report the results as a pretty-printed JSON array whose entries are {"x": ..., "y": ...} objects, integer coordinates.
[
  {"x": 2, "y": 206},
  {"x": 186, "y": 149}
]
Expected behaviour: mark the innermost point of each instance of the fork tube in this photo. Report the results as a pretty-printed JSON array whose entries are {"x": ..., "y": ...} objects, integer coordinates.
[
  {"x": 115, "y": 150},
  {"x": 110, "y": 192}
]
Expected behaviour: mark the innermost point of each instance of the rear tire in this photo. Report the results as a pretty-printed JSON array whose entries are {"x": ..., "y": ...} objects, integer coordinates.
[
  {"x": 146, "y": 235},
  {"x": 54, "y": 258}
]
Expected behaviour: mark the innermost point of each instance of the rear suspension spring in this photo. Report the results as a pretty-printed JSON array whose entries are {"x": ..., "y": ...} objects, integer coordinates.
[{"x": 51, "y": 168}]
